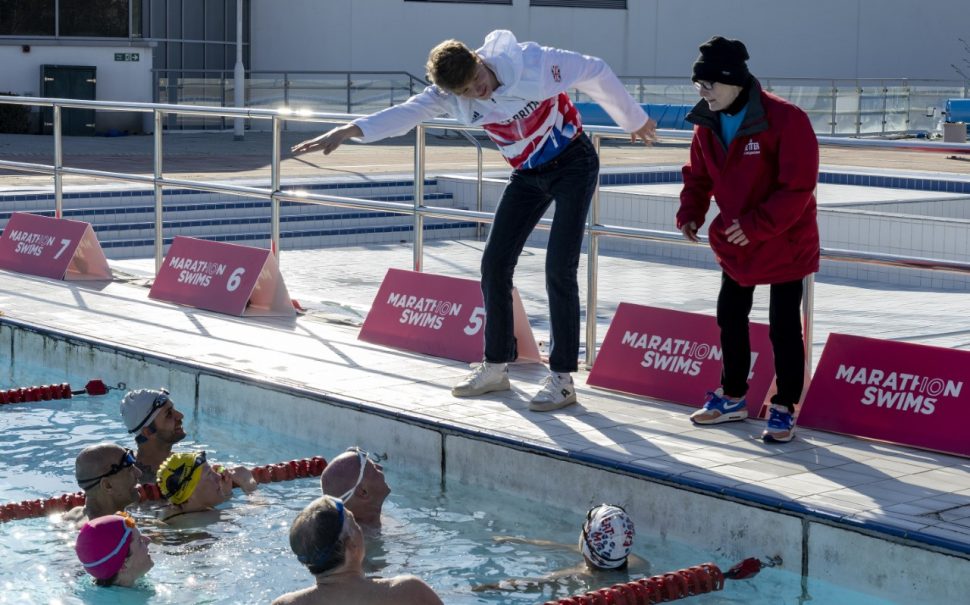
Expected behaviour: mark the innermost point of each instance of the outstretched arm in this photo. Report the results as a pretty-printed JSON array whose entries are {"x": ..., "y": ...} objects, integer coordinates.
[
  {"x": 393, "y": 121},
  {"x": 329, "y": 140}
]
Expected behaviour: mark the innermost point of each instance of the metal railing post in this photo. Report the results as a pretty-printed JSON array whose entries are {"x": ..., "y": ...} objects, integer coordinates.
[
  {"x": 860, "y": 91},
  {"x": 58, "y": 163},
  {"x": 275, "y": 187},
  {"x": 479, "y": 198},
  {"x": 835, "y": 102},
  {"x": 419, "y": 135},
  {"x": 348, "y": 92},
  {"x": 157, "y": 176},
  {"x": 592, "y": 267}
]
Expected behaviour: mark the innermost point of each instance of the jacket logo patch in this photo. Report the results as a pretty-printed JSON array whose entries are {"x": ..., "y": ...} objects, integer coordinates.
[
  {"x": 556, "y": 75},
  {"x": 752, "y": 148},
  {"x": 476, "y": 116}
]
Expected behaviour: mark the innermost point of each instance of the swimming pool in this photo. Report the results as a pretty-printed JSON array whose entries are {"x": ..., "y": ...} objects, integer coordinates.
[{"x": 443, "y": 531}]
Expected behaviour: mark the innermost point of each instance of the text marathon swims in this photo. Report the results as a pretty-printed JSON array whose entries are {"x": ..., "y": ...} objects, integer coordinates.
[
  {"x": 899, "y": 390},
  {"x": 421, "y": 311}
]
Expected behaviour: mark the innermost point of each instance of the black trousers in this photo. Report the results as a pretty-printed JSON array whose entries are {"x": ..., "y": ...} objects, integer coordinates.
[{"x": 785, "y": 329}]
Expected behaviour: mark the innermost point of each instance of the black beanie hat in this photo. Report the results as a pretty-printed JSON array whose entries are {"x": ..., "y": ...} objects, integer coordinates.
[{"x": 722, "y": 60}]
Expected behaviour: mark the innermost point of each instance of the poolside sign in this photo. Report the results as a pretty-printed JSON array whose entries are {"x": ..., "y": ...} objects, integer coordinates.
[
  {"x": 438, "y": 315},
  {"x": 900, "y": 392},
  {"x": 674, "y": 356},
  {"x": 57, "y": 248},
  {"x": 227, "y": 278}
]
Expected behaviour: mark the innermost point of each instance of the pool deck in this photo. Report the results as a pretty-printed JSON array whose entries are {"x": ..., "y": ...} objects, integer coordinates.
[
  {"x": 903, "y": 492},
  {"x": 898, "y": 490}
]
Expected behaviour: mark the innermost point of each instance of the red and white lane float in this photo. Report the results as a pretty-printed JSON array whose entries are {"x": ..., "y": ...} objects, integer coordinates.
[
  {"x": 671, "y": 586},
  {"x": 47, "y": 392},
  {"x": 268, "y": 473}
]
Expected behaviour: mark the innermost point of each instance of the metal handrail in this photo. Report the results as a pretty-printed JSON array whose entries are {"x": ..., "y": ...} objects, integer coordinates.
[{"x": 418, "y": 209}]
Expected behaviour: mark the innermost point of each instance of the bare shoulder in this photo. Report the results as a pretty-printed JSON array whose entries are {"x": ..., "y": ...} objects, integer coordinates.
[
  {"x": 299, "y": 597},
  {"x": 410, "y": 590},
  {"x": 75, "y": 516}
]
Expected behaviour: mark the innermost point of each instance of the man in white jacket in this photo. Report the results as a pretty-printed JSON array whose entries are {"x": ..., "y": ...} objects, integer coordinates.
[{"x": 518, "y": 93}]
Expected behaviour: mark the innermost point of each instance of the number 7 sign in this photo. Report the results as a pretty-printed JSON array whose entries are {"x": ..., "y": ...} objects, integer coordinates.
[
  {"x": 52, "y": 247},
  {"x": 228, "y": 278}
]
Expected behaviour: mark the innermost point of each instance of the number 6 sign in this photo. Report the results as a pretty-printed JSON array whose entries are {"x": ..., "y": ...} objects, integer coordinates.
[
  {"x": 52, "y": 247},
  {"x": 228, "y": 278},
  {"x": 438, "y": 315}
]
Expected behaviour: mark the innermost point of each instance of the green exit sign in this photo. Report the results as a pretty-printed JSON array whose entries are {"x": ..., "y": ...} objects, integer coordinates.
[{"x": 126, "y": 56}]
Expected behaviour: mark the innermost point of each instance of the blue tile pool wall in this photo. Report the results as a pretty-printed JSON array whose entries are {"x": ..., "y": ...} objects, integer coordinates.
[{"x": 860, "y": 557}]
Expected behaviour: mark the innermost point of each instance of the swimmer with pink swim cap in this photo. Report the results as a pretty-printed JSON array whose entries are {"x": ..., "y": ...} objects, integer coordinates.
[{"x": 113, "y": 550}]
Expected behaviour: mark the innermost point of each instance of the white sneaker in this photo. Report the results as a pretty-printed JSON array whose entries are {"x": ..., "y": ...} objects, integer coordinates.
[
  {"x": 557, "y": 392},
  {"x": 487, "y": 377}
]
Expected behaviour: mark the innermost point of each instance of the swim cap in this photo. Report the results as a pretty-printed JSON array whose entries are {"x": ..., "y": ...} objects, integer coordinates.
[
  {"x": 139, "y": 408},
  {"x": 607, "y": 536},
  {"x": 102, "y": 546},
  {"x": 179, "y": 475}
]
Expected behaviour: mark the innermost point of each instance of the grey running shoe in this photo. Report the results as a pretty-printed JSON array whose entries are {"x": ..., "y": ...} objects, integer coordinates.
[
  {"x": 487, "y": 377},
  {"x": 557, "y": 392}
]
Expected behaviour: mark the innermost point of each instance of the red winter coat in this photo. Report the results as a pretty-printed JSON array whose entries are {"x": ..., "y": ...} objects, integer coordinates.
[{"x": 766, "y": 180}]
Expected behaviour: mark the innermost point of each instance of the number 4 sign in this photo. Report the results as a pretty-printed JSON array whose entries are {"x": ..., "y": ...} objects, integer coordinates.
[
  {"x": 228, "y": 278},
  {"x": 52, "y": 247}
]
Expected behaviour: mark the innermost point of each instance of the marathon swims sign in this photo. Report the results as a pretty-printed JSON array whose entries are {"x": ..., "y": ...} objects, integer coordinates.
[
  {"x": 227, "y": 278},
  {"x": 52, "y": 247},
  {"x": 674, "y": 356},
  {"x": 438, "y": 315},
  {"x": 900, "y": 392}
]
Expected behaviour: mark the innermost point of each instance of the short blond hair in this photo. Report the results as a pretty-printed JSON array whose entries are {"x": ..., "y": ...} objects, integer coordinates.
[{"x": 451, "y": 65}]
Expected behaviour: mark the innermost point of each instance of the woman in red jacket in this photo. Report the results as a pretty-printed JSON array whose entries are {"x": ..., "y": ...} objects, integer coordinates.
[{"x": 757, "y": 155}]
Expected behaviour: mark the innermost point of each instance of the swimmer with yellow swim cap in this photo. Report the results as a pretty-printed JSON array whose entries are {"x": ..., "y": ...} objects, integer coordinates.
[{"x": 192, "y": 485}]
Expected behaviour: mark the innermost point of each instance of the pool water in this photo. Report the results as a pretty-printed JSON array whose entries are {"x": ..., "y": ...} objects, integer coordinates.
[{"x": 444, "y": 534}]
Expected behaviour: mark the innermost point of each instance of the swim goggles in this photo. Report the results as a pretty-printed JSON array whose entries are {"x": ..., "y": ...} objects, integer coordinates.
[
  {"x": 127, "y": 459},
  {"x": 362, "y": 457},
  {"x": 160, "y": 400}
]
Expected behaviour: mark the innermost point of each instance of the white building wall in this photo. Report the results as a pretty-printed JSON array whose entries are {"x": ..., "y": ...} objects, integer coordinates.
[
  {"x": 916, "y": 39},
  {"x": 117, "y": 80}
]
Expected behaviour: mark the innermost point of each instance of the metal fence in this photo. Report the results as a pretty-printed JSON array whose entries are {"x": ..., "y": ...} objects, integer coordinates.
[
  {"x": 417, "y": 209},
  {"x": 836, "y": 107}
]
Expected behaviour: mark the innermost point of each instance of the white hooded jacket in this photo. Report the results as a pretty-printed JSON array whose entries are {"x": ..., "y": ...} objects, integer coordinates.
[{"x": 530, "y": 115}]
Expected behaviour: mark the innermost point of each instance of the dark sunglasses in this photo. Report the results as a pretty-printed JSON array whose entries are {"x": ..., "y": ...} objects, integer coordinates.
[
  {"x": 160, "y": 400},
  {"x": 181, "y": 477},
  {"x": 127, "y": 459}
]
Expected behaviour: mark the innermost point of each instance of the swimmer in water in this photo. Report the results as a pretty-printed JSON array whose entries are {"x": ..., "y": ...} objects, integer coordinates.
[
  {"x": 193, "y": 487},
  {"x": 113, "y": 551},
  {"x": 109, "y": 477},
  {"x": 329, "y": 542}
]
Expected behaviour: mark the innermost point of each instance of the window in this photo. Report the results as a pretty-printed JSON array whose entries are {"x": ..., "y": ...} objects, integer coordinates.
[
  {"x": 83, "y": 18},
  {"x": 26, "y": 17},
  {"x": 94, "y": 18},
  {"x": 620, "y": 4}
]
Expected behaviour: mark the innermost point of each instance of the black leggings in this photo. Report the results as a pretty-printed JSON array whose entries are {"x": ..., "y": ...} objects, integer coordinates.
[{"x": 785, "y": 329}]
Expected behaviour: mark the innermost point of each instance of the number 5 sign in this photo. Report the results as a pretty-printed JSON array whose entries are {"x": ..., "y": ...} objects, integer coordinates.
[
  {"x": 52, "y": 247},
  {"x": 228, "y": 278},
  {"x": 438, "y": 315}
]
